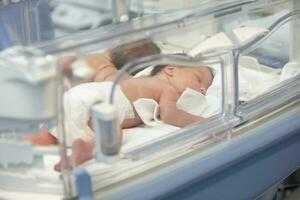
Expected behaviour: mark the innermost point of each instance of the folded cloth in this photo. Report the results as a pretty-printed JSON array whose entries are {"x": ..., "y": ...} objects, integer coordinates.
[
  {"x": 215, "y": 42},
  {"x": 290, "y": 70},
  {"x": 246, "y": 34},
  {"x": 251, "y": 75},
  {"x": 79, "y": 100},
  {"x": 190, "y": 101},
  {"x": 254, "y": 78},
  {"x": 148, "y": 111}
]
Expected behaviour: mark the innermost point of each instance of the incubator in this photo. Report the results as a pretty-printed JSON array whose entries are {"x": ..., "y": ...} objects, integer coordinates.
[{"x": 250, "y": 111}]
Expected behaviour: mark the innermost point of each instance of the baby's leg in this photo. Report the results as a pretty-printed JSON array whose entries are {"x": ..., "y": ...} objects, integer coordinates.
[
  {"x": 133, "y": 122},
  {"x": 43, "y": 138},
  {"x": 81, "y": 151}
]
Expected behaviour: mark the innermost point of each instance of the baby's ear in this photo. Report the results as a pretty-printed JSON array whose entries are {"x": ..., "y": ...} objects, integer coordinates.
[{"x": 169, "y": 70}]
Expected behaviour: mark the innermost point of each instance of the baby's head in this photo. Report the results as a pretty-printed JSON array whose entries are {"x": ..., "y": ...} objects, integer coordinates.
[
  {"x": 196, "y": 78},
  {"x": 128, "y": 52}
]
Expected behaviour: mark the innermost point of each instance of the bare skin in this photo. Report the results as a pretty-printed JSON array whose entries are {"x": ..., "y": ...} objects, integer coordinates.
[
  {"x": 43, "y": 139},
  {"x": 165, "y": 88},
  {"x": 103, "y": 66},
  {"x": 105, "y": 70},
  {"x": 81, "y": 151}
]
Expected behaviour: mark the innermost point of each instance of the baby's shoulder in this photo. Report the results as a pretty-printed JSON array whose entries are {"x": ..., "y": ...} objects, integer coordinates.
[
  {"x": 164, "y": 87},
  {"x": 153, "y": 82}
]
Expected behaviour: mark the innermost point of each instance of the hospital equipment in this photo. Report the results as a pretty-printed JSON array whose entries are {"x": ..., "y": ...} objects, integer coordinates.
[
  {"x": 25, "y": 71},
  {"x": 108, "y": 136},
  {"x": 74, "y": 16},
  {"x": 233, "y": 151},
  {"x": 24, "y": 22}
]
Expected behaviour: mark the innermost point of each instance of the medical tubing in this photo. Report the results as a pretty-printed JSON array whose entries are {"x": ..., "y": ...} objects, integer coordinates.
[{"x": 163, "y": 59}]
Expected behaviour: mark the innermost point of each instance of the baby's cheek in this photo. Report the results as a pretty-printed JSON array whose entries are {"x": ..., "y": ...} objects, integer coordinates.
[
  {"x": 195, "y": 85},
  {"x": 197, "y": 88}
]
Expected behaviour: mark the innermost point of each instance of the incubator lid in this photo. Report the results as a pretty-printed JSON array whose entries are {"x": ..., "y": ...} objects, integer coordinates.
[
  {"x": 160, "y": 6},
  {"x": 26, "y": 64},
  {"x": 138, "y": 28}
]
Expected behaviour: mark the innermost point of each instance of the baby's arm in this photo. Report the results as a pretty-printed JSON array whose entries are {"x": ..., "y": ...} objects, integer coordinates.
[{"x": 170, "y": 114}]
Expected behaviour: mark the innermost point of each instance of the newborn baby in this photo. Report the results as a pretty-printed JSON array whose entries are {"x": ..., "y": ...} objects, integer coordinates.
[{"x": 165, "y": 84}]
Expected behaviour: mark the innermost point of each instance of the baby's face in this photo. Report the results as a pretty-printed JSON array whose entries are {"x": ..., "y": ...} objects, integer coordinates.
[{"x": 196, "y": 78}]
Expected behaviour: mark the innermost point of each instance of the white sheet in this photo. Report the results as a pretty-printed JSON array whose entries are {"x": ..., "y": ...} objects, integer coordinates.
[
  {"x": 254, "y": 79},
  {"x": 218, "y": 41},
  {"x": 78, "y": 102},
  {"x": 191, "y": 101}
]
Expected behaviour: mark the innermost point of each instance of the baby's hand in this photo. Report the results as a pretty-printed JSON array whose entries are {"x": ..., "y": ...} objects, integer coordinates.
[{"x": 44, "y": 138}]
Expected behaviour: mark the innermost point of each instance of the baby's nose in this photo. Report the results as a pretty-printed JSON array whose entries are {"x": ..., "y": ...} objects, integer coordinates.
[{"x": 203, "y": 90}]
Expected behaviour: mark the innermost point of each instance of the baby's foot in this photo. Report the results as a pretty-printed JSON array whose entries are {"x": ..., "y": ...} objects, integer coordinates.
[
  {"x": 81, "y": 151},
  {"x": 43, "y": 138}
]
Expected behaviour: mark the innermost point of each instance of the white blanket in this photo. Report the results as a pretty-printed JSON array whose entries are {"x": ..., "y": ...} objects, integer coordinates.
[
  {"x": 251, "y": 74},
  {"x": 78, "y": 102},
  {"x": 253, "y": 80}
]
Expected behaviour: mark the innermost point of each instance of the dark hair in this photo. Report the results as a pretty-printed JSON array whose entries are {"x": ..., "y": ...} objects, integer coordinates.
[
  {"x": 157, "y": 69},
  {"x": 125, "y": 53}
]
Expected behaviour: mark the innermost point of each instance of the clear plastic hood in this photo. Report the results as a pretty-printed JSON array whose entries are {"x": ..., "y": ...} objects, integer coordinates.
[
  {"x": 158, "y": 6},
  {"x": 250, "y": 50}
]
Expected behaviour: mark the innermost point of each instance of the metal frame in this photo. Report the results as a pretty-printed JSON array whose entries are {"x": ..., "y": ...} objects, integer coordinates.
[
  {"x": 162, "y": 184},
  {"x": 243, "y": 168},
  {"x": 196, "y": 172}
]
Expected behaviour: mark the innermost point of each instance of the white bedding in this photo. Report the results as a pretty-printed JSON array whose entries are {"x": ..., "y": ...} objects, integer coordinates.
[
  {"x": 254, "y": 79},
  {"x": 251, "y": 74},
  {"x": 134, "y": 138}
]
